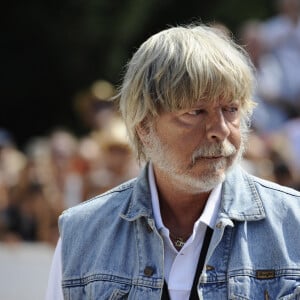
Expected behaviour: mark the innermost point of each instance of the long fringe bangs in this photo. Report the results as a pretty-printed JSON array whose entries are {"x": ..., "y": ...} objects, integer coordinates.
[{"x": 190, "y": 69}]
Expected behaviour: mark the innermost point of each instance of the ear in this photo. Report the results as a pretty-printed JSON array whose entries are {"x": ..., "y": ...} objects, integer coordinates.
[{"x": 143, "y": 131}]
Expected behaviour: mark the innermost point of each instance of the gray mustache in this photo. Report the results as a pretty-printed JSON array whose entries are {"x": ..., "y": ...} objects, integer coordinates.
[{"x": 213, "y": 150}]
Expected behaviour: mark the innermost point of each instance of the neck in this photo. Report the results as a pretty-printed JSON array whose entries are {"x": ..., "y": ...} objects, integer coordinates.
[
  {"x": 179, "y": 217},
  {"x": 179, "y": 209}
]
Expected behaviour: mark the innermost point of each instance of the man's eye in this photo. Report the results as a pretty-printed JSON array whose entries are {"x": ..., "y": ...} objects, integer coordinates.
[
  {"x": 232, "y": 109},
  {"x": 195, "y": 112}
]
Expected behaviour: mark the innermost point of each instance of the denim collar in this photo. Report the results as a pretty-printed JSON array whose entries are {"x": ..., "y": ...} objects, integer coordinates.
[
  {"x": 240, "y": 199},
  {"x": 140, "y": 204}
]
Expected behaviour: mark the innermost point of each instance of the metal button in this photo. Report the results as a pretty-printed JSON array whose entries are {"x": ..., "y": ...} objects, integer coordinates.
[
  {"x": 148, "y": 271},
  {"x": 219, "y": 225},
  {"x": 149, "y": 228},
  {"x": 209, "y": 268}
]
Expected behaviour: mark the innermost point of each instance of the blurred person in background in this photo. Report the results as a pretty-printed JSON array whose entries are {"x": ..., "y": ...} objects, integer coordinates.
[
  {"x": 270, "y": 114},
  {"x": 272, "y": 122},
  {"x": 118, "y": 161},
  {"x": 12, "y": 160},
  {"x": 31, "y": 213},
  {"x": 286, "y": 144},
  {"x": 194, "y": 224},
  {"x": 94, "y": 105},
  {"x": 105, "y": 148},
  {"x": 12, "y": 163},
  {"x": 108, "y": 157},
  {"x": 68, "y": 167},
  {"x": 281, "y": 37}
]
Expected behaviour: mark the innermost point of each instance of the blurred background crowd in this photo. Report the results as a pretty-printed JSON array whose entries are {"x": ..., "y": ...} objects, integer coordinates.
[
  {"x": 60, "y": 170},
  {"x": 52, "y": 170}
]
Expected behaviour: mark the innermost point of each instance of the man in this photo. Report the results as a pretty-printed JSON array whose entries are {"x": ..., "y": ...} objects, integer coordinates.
[{"x": 194, "y": 225}]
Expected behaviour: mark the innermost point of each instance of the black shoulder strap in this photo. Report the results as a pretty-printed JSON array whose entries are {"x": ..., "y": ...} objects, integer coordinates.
[
  {"x": 165, "y": 292},
  {"x": 206, "y": 242},
  {"x": 200, "y": 265}
]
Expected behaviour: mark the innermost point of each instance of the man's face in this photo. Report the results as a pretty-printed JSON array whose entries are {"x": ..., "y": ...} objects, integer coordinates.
[{"x": 195, "y": 147}]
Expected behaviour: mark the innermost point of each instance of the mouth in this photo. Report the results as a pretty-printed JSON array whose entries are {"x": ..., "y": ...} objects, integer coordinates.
[
  {"x": 210, "y": 157},
  {"x": 207, "y": 159}
]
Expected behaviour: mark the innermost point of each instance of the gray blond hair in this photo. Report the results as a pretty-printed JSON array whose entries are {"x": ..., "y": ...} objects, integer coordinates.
[{"x": 178, "y": 67}]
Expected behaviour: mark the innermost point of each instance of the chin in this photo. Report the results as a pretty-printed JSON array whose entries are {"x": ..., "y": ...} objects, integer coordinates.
[
  {"x": 210, "y": 182},
  {"x": 208, "y": 178},
  {"x": 194, "y": 184}
]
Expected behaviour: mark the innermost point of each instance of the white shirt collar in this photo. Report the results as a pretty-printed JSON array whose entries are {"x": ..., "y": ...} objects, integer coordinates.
[{"x": 210, "y": 212}]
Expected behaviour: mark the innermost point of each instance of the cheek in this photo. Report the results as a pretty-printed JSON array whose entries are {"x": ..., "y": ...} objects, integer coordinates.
[
  {"x": 178, "y": 145},
  {"x": 168, "y": 135},
  {"x": 235, "y": 137},
  {"x": 185, "y": 142}
]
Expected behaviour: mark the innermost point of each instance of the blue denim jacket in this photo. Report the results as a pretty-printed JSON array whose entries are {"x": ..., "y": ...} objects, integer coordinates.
[{"x": 112, "y": 250}]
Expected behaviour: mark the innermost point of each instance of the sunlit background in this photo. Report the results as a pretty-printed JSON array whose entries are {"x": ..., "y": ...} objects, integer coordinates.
[{"x": 61, "y": 139}]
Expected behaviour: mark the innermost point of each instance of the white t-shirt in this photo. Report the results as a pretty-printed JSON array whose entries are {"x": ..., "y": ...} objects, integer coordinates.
[{"x": 180, "y": 266}]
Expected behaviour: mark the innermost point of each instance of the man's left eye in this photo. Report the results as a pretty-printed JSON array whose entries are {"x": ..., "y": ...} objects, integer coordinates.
[{"x": 231, "y": 109}]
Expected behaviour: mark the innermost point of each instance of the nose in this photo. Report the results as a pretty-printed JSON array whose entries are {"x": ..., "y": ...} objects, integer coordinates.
[{"x": 217, "y": 128}]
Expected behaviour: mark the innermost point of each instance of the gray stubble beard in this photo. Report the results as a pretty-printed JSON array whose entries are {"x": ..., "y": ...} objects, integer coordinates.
[{"x": 205, "y": 182}]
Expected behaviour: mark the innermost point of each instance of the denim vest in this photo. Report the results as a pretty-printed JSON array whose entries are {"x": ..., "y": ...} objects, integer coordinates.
[{"x": 111, "y": 248}]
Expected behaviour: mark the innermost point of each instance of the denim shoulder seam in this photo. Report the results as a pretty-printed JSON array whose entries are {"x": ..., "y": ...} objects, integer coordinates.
[
  {"x": 276, "y": 187},
  {"x": 119, "y": 189}
]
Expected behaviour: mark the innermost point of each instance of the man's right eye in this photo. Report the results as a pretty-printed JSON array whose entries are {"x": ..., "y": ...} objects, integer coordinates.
[{"x": 195, "y": 112}]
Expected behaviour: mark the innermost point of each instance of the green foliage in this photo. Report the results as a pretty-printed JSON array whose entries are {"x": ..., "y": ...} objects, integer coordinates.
[
  {"x": 234, "y": 12},
  {"x": 52, "y": 49}
]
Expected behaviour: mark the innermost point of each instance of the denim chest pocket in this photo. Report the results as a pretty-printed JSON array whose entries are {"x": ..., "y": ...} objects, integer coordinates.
[
  {"x": 119, "y": 294},
  {"x": 251, "y": 288},
  {"x": 97, "y": 290}
]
